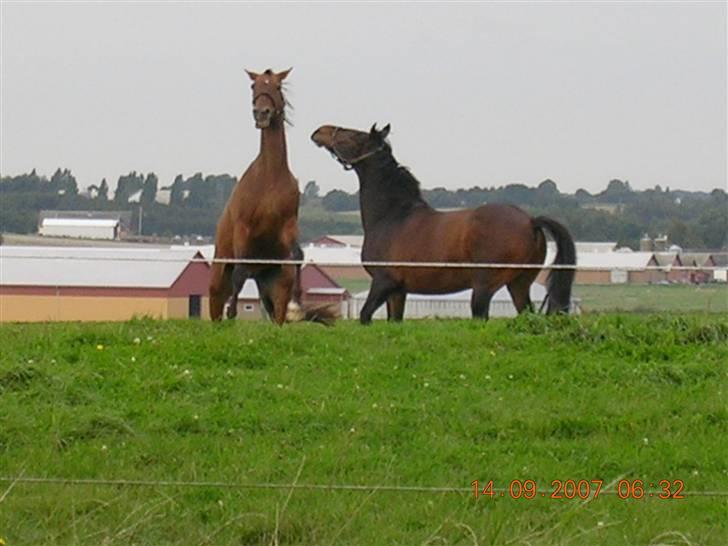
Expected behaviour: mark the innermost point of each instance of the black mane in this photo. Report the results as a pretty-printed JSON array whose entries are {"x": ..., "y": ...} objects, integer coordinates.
[{"x": 390, "y": 190}]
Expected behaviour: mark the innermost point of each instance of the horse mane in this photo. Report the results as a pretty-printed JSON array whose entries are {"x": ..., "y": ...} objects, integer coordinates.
[
  {"x": 407, "y": 182},
  {"x": 286, "y": 104}
]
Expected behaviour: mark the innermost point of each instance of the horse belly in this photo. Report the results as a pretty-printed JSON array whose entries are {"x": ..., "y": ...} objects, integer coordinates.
[{"x": 425, "y": 280}]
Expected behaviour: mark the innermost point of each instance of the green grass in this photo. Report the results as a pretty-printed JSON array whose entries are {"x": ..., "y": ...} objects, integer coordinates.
[
  {"x": 680, "y": 298},
  {"x": 423, "y": 403}
]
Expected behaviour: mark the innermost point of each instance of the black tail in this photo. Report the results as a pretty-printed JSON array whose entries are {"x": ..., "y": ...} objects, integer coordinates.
[{"x": 559, "y": 280}]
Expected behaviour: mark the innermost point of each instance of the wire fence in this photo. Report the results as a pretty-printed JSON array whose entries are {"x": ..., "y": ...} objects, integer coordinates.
[
  {"x": 366, "y": 263},
  {"x": 308, "y": 487}
]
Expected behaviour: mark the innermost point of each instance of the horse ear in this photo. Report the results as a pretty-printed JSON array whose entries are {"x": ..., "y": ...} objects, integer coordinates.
[
  {"x": 385, "y": 131},
  {"x": 252, "y": 75},
  {"x": 282, "y": 75},
  {"x": 373, "y": 131}
]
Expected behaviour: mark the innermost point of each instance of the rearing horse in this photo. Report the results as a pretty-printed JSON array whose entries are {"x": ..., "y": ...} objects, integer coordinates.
[{"x": 260, "y": 218}]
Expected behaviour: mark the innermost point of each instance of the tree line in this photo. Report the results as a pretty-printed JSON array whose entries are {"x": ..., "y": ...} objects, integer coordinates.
[{"x": 696, "y": 220}]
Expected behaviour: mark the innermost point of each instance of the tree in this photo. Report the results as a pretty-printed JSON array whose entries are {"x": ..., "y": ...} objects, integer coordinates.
[
  {"x": 337, "y": 200},
  {"x": 149, "y": 189},
  {"x": 103, "y": 191},
  {"x": 63, "y": 182},
  {"x": 310, "y": 192},
  {"x": 177, "y": 193},
  {"x": 127, "y": 186}
]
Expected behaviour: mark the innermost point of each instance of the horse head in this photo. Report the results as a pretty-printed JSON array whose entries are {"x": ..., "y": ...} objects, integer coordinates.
[
  {"x": 268, "y": 100},
  {"x": 349, "y": 146}
]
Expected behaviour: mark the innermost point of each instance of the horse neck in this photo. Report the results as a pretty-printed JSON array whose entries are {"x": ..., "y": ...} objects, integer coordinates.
[
  {"x": 273, "y": 151},
  {"x": 377, "y": 201}
]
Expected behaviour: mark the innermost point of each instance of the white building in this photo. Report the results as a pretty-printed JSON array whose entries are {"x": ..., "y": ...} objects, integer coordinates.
[{"x": 84, "y": 228}]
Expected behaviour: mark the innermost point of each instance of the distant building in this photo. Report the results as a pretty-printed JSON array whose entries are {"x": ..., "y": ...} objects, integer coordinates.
[
  {"x": 668, "y": 260},
  {"x": 100, "y": 284},
  {"x": 356, "y": 241},
  {"x": 81, "y": 228},
  {"x": 338, "y": 261},
  {"x": 104, "y": 225},
  {"x": 700, "y": 260},
  {"x": 588, "y": 246},
  {"x": 720, "y": 259}
]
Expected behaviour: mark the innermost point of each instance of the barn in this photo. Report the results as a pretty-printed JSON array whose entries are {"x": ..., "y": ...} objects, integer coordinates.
[
  {"x": 100, "y": 284},
  {"x": 83, "y": 228}
]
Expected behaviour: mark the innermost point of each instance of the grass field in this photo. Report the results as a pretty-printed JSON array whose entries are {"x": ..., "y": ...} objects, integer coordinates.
[
  {"x": 680, "y": 298},
  {"x": 423, "y": 403}
]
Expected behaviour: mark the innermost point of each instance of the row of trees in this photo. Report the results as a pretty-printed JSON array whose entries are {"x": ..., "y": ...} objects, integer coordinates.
[{"x": 618, "y": 213}]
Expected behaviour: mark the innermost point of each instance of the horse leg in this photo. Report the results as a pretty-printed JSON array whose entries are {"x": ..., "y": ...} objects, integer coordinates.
[
  {"x": 380, "y": 290},
  {"x": 281, "y": 290},
  {"x": 265, "y": 281},
  {"x": 238, "y": 273},
  {"x": 297, "y": 254},
  {"x": 520, "y": 290},
  {"x": 395, "y": 306},
  {"x": 480, "y": 302},
  {"x": 220, "y": 288},
  {"x": 239, "y": 276}
]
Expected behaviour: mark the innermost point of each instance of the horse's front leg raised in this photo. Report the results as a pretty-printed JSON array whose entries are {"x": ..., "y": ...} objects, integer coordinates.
[{"x": 382, "y": 287}]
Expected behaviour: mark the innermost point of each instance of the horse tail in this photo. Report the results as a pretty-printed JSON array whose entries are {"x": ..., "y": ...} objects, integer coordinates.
[
  {"x": 559, "y": 280},
  {"x": 323, "y": 313}
]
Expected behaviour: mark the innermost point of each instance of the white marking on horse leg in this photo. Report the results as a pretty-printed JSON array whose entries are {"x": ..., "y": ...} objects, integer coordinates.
[{"x": 294, "y": 313}]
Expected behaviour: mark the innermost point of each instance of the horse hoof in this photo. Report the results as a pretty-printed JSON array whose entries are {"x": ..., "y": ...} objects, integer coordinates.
[{"x": 294, "y": 313}]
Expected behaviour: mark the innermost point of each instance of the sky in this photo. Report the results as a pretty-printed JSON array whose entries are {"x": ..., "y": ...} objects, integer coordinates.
[{"x": 478, "y": 94}]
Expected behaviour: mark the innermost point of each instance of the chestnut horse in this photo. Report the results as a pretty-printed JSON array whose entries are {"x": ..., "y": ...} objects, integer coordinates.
[
  {"x": 260, "y": 218},
  {"x": 399, "y": 226}
]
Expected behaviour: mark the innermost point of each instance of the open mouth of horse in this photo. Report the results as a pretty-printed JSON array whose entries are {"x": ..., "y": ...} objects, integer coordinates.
[{"x": 262, "y": 118}]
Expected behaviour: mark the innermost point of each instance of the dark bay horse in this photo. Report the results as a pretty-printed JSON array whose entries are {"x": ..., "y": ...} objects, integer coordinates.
[
  {"x": 399, "y": 226},
  {"x": 260, "y": 219}
]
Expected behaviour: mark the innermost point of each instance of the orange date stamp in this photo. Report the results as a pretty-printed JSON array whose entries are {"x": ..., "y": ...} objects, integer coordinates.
[{"x": 581, "y": 489}]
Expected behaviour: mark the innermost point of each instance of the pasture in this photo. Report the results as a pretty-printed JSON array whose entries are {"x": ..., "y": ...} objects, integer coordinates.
[
  {"x": 422, "y": 403},
  {"x": 653, "y": 298}
]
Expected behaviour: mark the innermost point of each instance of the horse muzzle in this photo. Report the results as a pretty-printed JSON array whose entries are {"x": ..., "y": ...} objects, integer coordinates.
[{"x": 262, "y": 117}]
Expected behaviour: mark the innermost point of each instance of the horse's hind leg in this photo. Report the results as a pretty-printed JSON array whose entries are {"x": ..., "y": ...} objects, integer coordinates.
[
  {"x": 220, "y": 288},
  {"x": 239, "y": 276},
  {"x": 520, "y": 290},
  {"x": 382, "y": 287},
  {"x": 480, "y": 302},
  {"x": 395, "y": 306},
  {"x": 281, "y": 291}
]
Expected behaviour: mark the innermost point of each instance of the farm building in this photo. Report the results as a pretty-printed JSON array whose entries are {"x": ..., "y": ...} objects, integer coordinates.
[
  {"x": 94, "y": 284},
  {"x": 617, "y": 268},
  {"x": 700, "y": 260},
  {"x": 340, "y": 240},
  {"x": 720, "y": 259},
  {"x": 339, "y": 262},
  {"x": 587, "y": 246},
  {"x": 455, "y": 305},
  {"x": 85, "y": 228},
  {"x": 668, "y": 260},
  {"x": 105, "y": 225}
]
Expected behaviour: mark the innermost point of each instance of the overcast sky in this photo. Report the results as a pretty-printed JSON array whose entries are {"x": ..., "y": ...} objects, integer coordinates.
[{"x": 477, "y": 94}]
